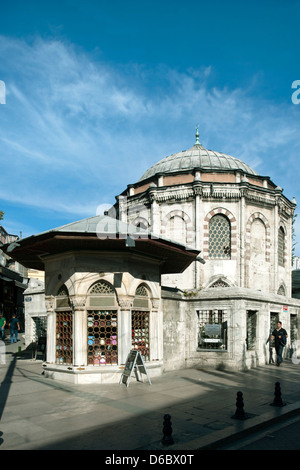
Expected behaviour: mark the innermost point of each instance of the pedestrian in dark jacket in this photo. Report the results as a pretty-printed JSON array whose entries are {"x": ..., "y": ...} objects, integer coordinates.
[
  {"x": 280, "y": 336},
  {"x": 14, "y": 329}
]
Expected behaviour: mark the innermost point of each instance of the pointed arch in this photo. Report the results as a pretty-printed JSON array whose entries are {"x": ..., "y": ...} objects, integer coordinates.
[
  {"x": 267, "y": 239},
  {"x": 282, "y": 289},
  {"x": 232, "y": 228},
  {"x": 102, "y": 324},
  {"x": 140, "y": 321},
  {"x": 177, "y": 225},
  {"x": 282, "y": 246}
]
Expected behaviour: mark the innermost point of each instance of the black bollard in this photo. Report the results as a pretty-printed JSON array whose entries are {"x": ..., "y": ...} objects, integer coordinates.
[
  {"x": 167, "y": 431},
  {"x": 240, "y": 413},
  {"x": 277, "y": 396}
]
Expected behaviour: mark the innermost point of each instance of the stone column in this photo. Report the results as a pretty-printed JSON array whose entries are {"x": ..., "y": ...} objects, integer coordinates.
[
  {"x": 197, "y": 228},
  {"x": 124, "y": 329},
  {"x": 122, "y": 208},
  {"x": 79, "y": 331},
  {"x": 156, "y": 331},
  {"x": 155, "y": 214},
  {"x": 242, "y": 257},
  {"x": 237, "y": 334},
  {"x": 274, "y": 254},
  {"x": 51, "y": 330}
]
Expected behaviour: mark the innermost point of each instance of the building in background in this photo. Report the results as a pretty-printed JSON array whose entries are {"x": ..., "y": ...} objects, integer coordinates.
[{"x": 13, "y": 281}]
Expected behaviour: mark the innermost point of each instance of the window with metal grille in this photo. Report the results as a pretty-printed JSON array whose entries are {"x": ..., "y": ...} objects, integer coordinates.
[
  {"x": 140, "y": 322},
  {"x": 251, "y": 329},
  {"x": 142, "y": 291},
  {"x": 102, "y": 295},
  {"x": 140, "y": 333},
  {"x": 102, "y": 337},
  {"x": 63, "y": 292},
  {"x": 281, "y": 246},
  {"x": 274, "y": 318},
  {"x": 102, "y": 287},
  {"x": 64, "y": 335},
  {"x": 141, "y": 299},
  {"x": 219, "y": 237},
  {"x": 212, "y": 329},
  {"x": 293, "y": 328},
  {"x": 219, "y": 283}
]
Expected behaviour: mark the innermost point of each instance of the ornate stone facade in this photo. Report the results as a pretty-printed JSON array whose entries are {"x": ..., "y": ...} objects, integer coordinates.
[
  {"x": 134, "y": 279},
  {"x": 241, "y": 223}
]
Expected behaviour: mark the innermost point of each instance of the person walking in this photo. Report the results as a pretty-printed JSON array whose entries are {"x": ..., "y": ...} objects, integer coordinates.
[
  {"x": 271, "y": 360},
  {"x": 2, "y": 326},
  {"x": 280, "y": 335},
  {"x": 14, "y": 329}
]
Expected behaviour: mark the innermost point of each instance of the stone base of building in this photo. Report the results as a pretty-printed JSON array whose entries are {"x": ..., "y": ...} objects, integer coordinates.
[
  {"x": 245, "y": 317},
  {"x": 97, "y": 375},
  {"x": 223, "y": 361}
]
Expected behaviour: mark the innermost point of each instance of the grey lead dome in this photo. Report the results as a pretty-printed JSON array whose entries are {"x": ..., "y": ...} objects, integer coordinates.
[{"x": 200, "y": 158}]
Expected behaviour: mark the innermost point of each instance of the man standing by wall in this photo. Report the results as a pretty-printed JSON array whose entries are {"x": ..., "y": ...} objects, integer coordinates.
[{"x": 280, "y": 336}]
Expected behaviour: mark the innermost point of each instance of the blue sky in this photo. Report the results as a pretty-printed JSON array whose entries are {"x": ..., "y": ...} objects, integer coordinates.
[{"x": 98, "y": 91}]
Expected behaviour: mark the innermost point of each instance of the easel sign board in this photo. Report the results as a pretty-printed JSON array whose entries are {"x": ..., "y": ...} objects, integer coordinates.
[{"x": 134, "y": 362}]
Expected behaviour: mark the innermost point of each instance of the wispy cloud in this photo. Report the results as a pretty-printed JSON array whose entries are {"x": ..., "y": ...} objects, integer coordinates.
[{"x": 75, "y": 131}]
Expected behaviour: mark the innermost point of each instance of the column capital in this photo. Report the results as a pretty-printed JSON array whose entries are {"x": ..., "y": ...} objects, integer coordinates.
[
  {"x": 126, "y": 303},
  {"x": 49, "y": 302},
  {"x": 78, "y": 303},
  {"x": 155, "y": 304}
]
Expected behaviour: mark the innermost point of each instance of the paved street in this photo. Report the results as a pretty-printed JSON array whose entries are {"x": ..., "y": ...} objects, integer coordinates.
[
  {"x": 280, "y": 436},
  {"x": 38, "y": 413}
]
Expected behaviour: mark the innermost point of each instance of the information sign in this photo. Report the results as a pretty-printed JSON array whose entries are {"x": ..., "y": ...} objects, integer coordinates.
[{"x": 134, "y": 363}]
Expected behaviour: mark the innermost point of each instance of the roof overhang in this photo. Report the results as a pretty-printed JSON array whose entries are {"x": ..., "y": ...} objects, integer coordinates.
[{"x": 32, "y": 252}]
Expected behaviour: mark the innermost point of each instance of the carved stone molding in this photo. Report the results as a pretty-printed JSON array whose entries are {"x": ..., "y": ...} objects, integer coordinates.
[
  {"x": 155, "y": 304},
  {"x": 49, "y": 302},
  {"x": 78, "y": 303},
  {"x": 125, "y": 303}
]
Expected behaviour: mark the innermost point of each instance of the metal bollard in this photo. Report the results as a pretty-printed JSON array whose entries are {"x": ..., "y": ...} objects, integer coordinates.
[
  {"x": 277, "y": 396},
  {"x": 240, "y": 412},
  {"x": 167, "y": 431}
]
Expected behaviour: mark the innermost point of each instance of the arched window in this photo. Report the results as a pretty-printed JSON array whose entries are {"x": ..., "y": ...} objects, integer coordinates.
[
  {"x": 281, "y": 246},
  {"x": 141, "y": 222},
  {"x": 102, "y": 325},
  {"x": 219, "y": 283},
  {"x": 102, "y": 287},
  {"x": 140, "y": 319},
  {"x": 219, "y": 237},
  {"x": 281, "y": 290},
  {"x": 64, "y": 328},
  {"x": 63, "y": 292},
  {"x": 62, "y": 297}
]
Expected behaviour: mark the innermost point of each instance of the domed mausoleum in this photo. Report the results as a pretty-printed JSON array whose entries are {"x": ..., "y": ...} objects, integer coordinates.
[
  {"x": 241, "y": 222},
  {"x": 191, "y": 267}
]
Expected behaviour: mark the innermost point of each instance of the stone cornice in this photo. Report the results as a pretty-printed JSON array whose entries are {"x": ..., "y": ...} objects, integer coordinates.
[
  {"x": 235, "y": 293},
  {"x": 216, "y": 191}
]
